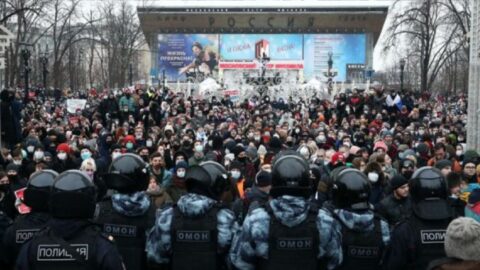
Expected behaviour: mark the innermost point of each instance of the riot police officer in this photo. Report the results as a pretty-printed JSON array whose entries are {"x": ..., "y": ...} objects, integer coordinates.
[
  {"x": 36, "y": 196},
  {"x": 284, "y": 233},
  {"x": 420, "y": 238},
  {"x": 196, "y": 233},
  {"x": 69, "y": 240},
  {"x": 129, "y": 214},
  {"x": 363, "y": 235}
]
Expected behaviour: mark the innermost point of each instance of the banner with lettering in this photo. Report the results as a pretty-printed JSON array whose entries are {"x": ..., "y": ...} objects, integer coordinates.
[
  {"x": 346, "y": 49},
  {"x": 187, "y": 56},
  {"x": 256, "y": 46}
]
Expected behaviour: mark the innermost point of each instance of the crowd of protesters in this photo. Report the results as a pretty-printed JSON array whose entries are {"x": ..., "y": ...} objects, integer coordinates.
[
  {"x": 386, "y": 135},
  {"x": 361, "y": 129}
]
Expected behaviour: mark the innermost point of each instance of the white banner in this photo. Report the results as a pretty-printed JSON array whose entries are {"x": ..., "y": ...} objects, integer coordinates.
[{"x": 74, "y": 104}]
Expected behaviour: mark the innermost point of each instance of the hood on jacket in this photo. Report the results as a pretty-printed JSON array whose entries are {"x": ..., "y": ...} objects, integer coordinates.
[
  {"x": 355, "y": 221},
  {"x": 131, "y": 205},
  {"x": 192, "y": 204},
  {"x": 290, "y": 210},
  {"x": 256, "y": 194}
]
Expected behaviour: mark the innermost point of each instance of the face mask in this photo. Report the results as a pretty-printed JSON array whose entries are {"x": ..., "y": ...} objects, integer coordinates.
[
  {"x": 17, "y": 162},
  {"x": 62, "y": 156},
  {"x": 144, "y": 157},
  {"x": 199, "y": 148},
  {"x": 149, "y": 144},
  {"x": 24, "y": 153},
  {"x": 30, "y": 149},
  {"x": 115, "y": 155},
  {"x": 304, "y": 152},
  {"x": 421, "y": 132},
  {"x": 408, "y": 174},
  {"x": 86, "y": 155},
  {"x": 90, "y": 174},
  {"x": 459, "y": 152},
  {"x": 297, "y": 130},
  {"x": 129, "y": 145},
  {"x": 181, "y": 174},
  {"x": 38, "y": 155},
  {"x": 257, "y": 138},
  {"x": 373, "y": 177},
  {"x": 4, "y": 187},
  {"x": 13, "y": 178},
  {"x": 235, "y": 175}
]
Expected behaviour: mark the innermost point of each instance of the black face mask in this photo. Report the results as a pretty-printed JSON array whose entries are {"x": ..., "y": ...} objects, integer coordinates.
[
  {"x": 407, "y": 174},
  {"x": 242, "y": 159},
  {"x": 290, "y": 144},
  {"x": 144, "y": 157},
  {"x": 186, "y": 144},
  {"x": 13, "y": 178},
  {"x": 4, "y": 187}
]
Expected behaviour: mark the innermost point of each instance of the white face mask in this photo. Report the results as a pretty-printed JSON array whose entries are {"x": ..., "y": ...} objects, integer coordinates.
[
  {"x": 373, "y": 177},
  {"x": 17, "y": 162},
  {"x": 30, "y": 148},
  {"x": 62, "y": 156},
  {"x": 199, "y": 148},
  {"x": 459, "y": 152},
  {"x": 149, "y": 144},
  {"x": 304, "y": 152},
  {"x": 115, "y": 155},
  {"x": 181, "y": 174},
  {"x": 38, "y": 155},
  {"x": 235, "y": 175}
]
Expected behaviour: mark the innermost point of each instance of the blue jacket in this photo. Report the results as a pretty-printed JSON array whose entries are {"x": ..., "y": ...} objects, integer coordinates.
[{"x": 159, "y": 244}]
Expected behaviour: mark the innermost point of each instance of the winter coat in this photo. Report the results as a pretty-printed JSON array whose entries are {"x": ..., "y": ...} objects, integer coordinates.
[{"x": 159, "y": 243}]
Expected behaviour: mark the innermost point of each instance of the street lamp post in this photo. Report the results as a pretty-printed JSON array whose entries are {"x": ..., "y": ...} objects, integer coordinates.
[
  {"x": 26, "y": 56},
  {"x": 402, "y": 67},
  {"x": 130, "y": 74},
  {"x": 44, "y": 61}
]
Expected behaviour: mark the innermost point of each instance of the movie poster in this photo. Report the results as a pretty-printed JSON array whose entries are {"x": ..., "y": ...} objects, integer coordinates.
[
  {"x": 187, "y": 56},
  {"x": 247, "y": 47},
  {"x": 347, "y": 49}
]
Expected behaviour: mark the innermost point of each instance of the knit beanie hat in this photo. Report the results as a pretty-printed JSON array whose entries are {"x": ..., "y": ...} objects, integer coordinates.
[
  {"x": 181, "y": 164},
  {"x": 380, "y": 144},
  {"x": 398, "y": 181},
  {"x": 462, "y": 240},
  {"x": 63, "y": 147},
  {"x": 441, "y": 164},
  {"x": 263, "y": 179}
]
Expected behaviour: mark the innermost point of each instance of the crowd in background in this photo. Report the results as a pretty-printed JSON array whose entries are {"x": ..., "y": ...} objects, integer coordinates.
[{"x": 385, "y": 134}]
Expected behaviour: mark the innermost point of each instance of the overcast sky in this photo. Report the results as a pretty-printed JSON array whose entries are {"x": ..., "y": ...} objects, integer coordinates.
[{"x": 381, "y": 61}]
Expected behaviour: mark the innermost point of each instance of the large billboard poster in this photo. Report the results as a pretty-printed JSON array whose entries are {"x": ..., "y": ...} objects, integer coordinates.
[
  {"x": 346, "y": 48},
  {"x": 187, "y": 55},
  {"x": 247, "y": 47}
]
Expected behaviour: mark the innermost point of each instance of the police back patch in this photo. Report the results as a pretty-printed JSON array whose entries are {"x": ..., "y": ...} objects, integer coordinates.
[
  {"x": 363, "y": 252},
  {"x": 432, "y": 236},
  {"x": 193, "y": 236},
  {"x": 120, "y": 230},
  {"x": 56, "y": 253},
  {"x": 295, "y": 243},
  {"x": 23, "y": 235}
]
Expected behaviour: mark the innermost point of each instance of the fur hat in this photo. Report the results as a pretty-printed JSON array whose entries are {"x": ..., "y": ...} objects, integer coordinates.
[{"x": 462, "y": 240}]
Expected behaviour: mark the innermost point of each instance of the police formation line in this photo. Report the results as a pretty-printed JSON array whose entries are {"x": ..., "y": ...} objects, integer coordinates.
[{"x": 67, "y": 229}]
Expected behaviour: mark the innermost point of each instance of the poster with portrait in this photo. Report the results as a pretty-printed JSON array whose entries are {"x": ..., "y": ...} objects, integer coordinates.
[{"x": 187, "y": 56}]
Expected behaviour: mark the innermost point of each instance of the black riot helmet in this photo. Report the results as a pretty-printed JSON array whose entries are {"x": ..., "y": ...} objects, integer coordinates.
[
  {"x": 73, "y": 195},
  {"x": 351, "y": 190},
  {"x": 428, "y": 190},
  {"x": 290, "y": 176},
  {"x": 209, "y": 179},
  {"x": 127, "y": 174},
  {"x": 37, "y": 193}
]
